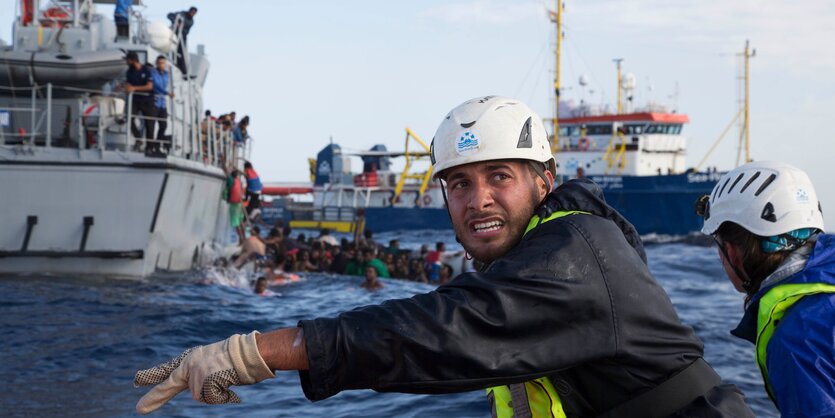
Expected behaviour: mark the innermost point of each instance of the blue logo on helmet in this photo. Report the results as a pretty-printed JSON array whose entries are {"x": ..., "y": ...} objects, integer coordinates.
[{"x": 467, "y": 144}]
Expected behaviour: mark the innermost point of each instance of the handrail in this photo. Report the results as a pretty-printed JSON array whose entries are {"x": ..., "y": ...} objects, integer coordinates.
[{"x": 410, "y": 158}]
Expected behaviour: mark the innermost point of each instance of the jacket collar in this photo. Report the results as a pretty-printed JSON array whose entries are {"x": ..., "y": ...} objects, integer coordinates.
[{"x": 586, "y": 196}]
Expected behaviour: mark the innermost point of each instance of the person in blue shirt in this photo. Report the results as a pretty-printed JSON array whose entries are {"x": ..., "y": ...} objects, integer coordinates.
[
  {"x": 767, "y": 221},
  {"x": 138, "y": 80},
  {"x": 121, "y": 16},
  {"x": 185, "y": 19},
  {"x": 161, "y": 79},
  {"x": 239, "y": 134}
]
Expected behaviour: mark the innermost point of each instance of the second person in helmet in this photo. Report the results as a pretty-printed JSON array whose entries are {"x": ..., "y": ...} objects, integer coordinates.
[
  {"x": 564, "y": 319},
  {"x": 767, "y": 222}
]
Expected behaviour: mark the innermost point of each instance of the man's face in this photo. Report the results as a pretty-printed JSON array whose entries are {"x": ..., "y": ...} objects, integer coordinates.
[
  {"x": 161, "y": 65},
  {"x": 491, "y": 203},
  {"x": 370, "y": 274}
]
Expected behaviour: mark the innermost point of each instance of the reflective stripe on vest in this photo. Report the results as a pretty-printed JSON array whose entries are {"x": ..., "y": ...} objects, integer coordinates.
[
  {"x": 535, "y": 220},
  {"x": 772, "y": 307},
  {"x": 535, "y": 398},
  {"x": 532, "y": 399}
]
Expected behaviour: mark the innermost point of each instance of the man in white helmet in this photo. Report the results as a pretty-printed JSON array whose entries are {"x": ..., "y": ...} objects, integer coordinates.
[
  {"x": 564, "y": 319},
  {"x": 767, "y": 222}
]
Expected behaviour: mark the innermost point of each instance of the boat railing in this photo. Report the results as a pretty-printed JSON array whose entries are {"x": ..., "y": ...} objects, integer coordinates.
[{"x": 47, "y": 116}]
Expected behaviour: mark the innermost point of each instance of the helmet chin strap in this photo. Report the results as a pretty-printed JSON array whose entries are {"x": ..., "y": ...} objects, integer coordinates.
[
  {"x": 446, "y": 206},
  {"x": 747, "y": 285},
  {"x": 538, "y": 168}
]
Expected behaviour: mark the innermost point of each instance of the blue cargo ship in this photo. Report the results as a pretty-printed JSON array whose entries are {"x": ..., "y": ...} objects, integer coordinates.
[{"x": 636, "y": 155}]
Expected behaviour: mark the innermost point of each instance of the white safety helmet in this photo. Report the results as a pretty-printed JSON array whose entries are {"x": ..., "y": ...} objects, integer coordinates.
[
  {"x": 767, "y": 198},
  {"x": 490, "y": 128}
]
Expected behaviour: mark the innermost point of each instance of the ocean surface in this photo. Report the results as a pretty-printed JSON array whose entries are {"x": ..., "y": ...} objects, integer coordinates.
[{"x": 71, "y": 345}]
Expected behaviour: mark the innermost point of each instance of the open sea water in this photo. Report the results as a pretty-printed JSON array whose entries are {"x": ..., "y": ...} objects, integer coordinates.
[{"x": 71, "y": 345}]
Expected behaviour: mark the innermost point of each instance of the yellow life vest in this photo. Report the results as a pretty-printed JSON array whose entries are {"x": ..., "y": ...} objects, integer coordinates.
[
  {"x": 535, "y": 398},
  {"x": 773, "y": 307}
]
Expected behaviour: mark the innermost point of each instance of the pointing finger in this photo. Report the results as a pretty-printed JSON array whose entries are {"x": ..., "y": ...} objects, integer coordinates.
[{"x": 163, "y": 392}]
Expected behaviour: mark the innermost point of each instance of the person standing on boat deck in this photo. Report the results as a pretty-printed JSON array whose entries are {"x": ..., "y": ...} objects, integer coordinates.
[
  {"x": 121, "y": 16},
  {"x": 161, "y": 79},
  {"x": 767, "y": 222},
  {"x": 239, "y": 133},
  {"x": 139, "y": 81},
  {"x": 187, "y": 21},
  {"x": 564, "y": 318}
]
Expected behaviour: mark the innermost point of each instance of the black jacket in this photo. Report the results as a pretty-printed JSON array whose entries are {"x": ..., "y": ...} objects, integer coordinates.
[{"x": 574, "y": 300}]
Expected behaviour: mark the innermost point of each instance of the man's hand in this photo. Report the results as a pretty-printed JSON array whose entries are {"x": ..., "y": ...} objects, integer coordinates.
[{"x": 207, "y": 371}]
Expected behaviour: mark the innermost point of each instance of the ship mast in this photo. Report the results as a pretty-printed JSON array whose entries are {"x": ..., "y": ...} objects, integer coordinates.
[
  {"x": 618, "y": 61},
  {"x": 556, "y": 17},
  {"x": 745, "y": 120}
]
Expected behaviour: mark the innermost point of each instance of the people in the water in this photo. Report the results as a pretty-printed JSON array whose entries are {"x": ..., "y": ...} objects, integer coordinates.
[
  {"x": 768, "y": 225},
  {"x": 563, "y": 319},
  {"x": 253, "y": 248},
  {"x": 372, "y": 281},
  {"x": 261, "y": 287}
]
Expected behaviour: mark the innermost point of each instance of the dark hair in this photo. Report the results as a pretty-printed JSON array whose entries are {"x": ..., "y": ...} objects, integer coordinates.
[
  {"x": 368, "y": 233},
  {"x": 192, "y": 9},
  {"x": 255, "y": 230},
  {"x": 325, "y": 231},
  {"x": 161, "y": 57},
  {"x": 286, "y": 230},
  {"x": 756, "y": 263},
  {"x": 247, "y": 165},
  {"x": 261, "y": 279},
  {"x": 208, "y": 112},
  {"x": 439, "y": 245},
  {"x": 132, "y": 55}
]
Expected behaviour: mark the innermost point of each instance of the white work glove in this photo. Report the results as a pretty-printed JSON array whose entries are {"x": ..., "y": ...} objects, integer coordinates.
[{"x": 207, "y": 371}]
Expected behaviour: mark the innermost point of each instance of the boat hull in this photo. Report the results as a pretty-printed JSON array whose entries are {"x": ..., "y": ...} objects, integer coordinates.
[
  {"x": 661, "y": 205},
  {"x": 107, "y": 213}
]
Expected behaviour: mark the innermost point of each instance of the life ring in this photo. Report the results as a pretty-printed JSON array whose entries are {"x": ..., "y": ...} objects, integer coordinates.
[
  {"x": 583, "y": 144},
  {"x": 427, "y": 200}
]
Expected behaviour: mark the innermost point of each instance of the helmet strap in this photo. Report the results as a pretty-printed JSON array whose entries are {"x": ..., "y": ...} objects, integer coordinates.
[
  {"x": 539, "y": 169},
  {"x": 446, "y": 205},
  {"x": 747, "y": 285}
]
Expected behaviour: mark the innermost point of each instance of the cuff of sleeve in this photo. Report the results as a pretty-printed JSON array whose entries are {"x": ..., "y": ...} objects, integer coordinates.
[
  {"x": 247, "y": 360},
  {"x": 323, "y": 378}
]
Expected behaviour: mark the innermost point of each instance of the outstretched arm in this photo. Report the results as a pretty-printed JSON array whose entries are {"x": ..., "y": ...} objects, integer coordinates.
[
  {"x": 283, "y": 349},
  {"x": 208, "y": 371}
]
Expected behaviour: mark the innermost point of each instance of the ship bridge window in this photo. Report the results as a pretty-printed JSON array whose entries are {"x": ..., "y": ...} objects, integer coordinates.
[
  {"x": 570, "y": 130},
  {"x": 634, "y": 129},
  {"x": 599, "y": 130},
  {"x": 664, "y": 128}
]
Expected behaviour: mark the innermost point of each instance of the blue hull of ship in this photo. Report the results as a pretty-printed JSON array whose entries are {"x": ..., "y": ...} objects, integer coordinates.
[
  {"x": 654, "y": 204},
  {"x": 658, "y": 204},
  {"x": 393, "y": 219}
]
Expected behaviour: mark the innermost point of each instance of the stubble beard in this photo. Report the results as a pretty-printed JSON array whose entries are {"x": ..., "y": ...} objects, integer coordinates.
[{"x": 516, "y": 223}]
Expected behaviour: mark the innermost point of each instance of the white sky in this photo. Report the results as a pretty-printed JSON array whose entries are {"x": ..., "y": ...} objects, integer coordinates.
[{"x": 361, "y": 71}]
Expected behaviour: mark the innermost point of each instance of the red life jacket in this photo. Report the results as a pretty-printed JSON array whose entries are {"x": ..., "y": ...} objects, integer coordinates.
[{"x": 236, "y": 191}]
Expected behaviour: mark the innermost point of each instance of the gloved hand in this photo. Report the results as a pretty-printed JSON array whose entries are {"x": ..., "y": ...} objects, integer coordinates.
[{"x": 207, "y": 371}]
